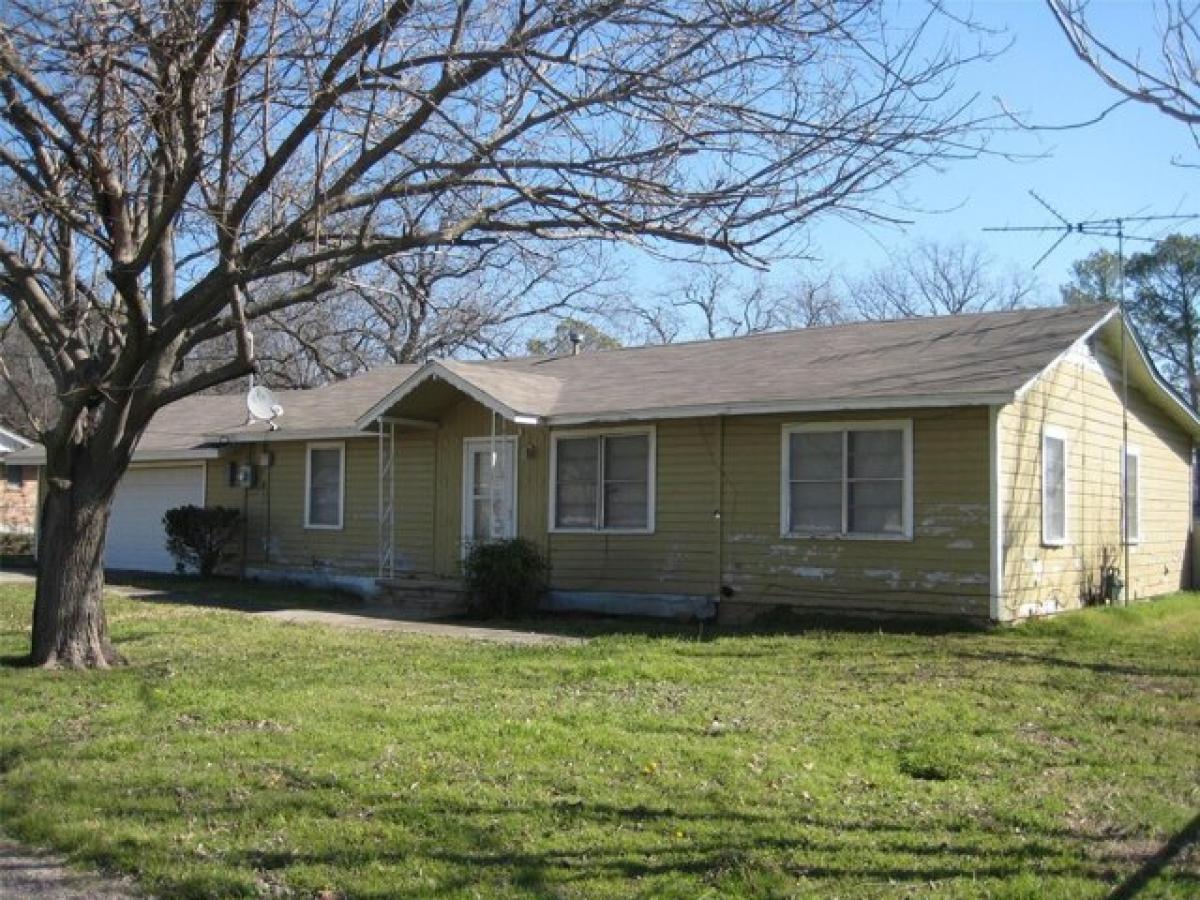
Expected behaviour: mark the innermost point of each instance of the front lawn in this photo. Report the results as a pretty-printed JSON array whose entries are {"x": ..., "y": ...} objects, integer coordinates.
[{"x": 242, "y": 757}]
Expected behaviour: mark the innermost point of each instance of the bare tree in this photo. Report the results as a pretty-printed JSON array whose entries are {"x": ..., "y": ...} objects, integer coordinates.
[
  {"x": 27, "y": 394},
  {"x": 483, "y": 301},
  {"x": 172, "y": 173},
  {"x": 713, "y": 303},
  {"x": 938, "y": 279},
  {"x": 1167, "y": 80}
]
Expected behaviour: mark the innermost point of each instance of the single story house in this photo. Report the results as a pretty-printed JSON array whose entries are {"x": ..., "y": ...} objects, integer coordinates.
[{"x": 967, "y": 467}]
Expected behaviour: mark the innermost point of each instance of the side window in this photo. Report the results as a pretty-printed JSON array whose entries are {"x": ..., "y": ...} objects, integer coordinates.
[
  {"x": 1133, "y": 495},
  {"x": 1054, "y": 487},
  {"x": 324, "y": 486}
]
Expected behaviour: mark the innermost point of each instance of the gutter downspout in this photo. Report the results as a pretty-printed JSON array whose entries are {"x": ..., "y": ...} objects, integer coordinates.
[{"x": 718, "y": 514}]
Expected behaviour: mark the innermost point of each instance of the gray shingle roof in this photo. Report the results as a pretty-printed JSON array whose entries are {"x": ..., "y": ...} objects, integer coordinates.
[{"x": 944, "y": 361}]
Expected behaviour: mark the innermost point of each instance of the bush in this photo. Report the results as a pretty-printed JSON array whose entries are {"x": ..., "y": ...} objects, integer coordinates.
[
  {"x": 18, "y": 544},
  {"x": 505, "y": 578},
  {"x": 198, "y": 536}
]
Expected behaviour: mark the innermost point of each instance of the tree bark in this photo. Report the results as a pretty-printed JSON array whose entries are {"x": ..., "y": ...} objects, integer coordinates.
[{"x": 70, "y": 629}]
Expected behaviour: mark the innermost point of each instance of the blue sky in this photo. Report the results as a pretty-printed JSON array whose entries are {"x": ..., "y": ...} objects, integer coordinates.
[{"x": 1120, "y": 166}]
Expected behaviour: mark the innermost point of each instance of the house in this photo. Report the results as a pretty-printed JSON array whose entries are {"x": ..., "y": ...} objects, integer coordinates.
[
  {"x": 18, "y": 492},
  {"x": 966, "y": 467}
]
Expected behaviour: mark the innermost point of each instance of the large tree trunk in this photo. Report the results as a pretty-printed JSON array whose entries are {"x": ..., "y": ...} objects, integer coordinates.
[{"x": 69, "y": 625}]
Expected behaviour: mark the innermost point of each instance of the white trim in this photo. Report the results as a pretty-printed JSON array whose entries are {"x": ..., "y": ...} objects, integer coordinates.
[
  {"x": 1075, "y": 344},
  {"x": 16, "y": 438},
  {"x": 1053, "y": 432},
  {"x": 1165, "y": 391},
  {"x": 1133, "y": 450},
  {"x": 651, "y": 432},
  {"x": 340, "y": 446},
  {"x": 1164, "y": 388},
  {"x": 756, "y": 407},
  {"x": 996, "y": 499},
  {"x": 904, "y": 426},
  {"x": 470, "y": 444}
]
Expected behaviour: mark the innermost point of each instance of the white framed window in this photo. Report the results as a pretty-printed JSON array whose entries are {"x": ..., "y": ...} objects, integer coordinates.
[
  {"x": 603, "y": 480},
  {"x": 848, "y": 480},
  {"x": 1131, "y": 477},
  {"x": 325, "y": 485},
  {"x": 1054, "y": 486}
]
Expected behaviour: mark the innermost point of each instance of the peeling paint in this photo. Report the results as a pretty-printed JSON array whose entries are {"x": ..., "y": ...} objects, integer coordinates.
[
  {"x": 933, "y": 578},
  {"x": 812, "y": 572},
  {"x": 975, "y": 578},
  {"x": 961, "y": 544}
]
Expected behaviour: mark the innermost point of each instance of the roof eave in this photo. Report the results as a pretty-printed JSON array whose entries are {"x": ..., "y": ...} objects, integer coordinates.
[
  {"x": 915, "y": 401},
  {"x": 284, "y": 434}
]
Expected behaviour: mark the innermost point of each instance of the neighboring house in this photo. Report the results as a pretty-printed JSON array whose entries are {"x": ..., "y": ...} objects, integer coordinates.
[
  {"x": 966, "y": 467},
  {"x": 18, "y": 492}
]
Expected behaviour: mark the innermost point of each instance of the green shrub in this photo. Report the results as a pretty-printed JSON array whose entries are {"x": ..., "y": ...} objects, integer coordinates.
[
  {"x": 199, "y": 536},
  {"x": 505, "y": 578}
]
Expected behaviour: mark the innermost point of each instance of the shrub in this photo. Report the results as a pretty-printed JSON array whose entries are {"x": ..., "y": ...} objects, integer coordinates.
[
  {"x": 505, "y": 578},
  {"x": 16, "y": 544},
  {"x": 199, "y": 536}
]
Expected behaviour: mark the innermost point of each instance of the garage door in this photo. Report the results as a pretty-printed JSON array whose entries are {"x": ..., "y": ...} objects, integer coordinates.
[{"x": 135, "y": 531}]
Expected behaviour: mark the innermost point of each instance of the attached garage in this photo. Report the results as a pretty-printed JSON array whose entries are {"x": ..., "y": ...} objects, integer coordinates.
[{"x": 136, "y": 540}]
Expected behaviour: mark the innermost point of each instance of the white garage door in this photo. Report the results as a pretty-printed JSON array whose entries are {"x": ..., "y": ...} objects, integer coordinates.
[{"x": 135, "y": 531}]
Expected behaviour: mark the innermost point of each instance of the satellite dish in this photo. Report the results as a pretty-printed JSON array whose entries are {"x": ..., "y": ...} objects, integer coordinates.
[{"x": 262, "y": 406}]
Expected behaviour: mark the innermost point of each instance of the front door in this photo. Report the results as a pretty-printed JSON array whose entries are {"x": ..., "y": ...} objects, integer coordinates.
[{"x": 489, "y": 490}]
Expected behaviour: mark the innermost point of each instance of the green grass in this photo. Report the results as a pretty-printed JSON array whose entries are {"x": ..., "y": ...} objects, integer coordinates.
[{"x": 242, "y": 757}]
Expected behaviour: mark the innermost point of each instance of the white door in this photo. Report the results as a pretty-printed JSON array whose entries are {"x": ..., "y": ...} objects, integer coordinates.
[
  {"x": 136, "y": 540},
  {"x": 489, "y": 490}
]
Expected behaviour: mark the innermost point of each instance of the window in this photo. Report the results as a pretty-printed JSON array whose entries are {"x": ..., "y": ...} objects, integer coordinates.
[
  {"x": 1054, "y": 487},
  {"x": 603, "y": 482},
  {"x": 1133, "y": 491},
  {"x": 848, "y": 480},
  {"x": 324, "y": 485},
  {"x": 15, "y": 476}
]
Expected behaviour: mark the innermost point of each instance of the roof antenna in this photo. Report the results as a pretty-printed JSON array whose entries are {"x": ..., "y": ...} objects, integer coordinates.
[
  {"x": 576, "y": 340},
  {"x": 1113, "y": 228}
]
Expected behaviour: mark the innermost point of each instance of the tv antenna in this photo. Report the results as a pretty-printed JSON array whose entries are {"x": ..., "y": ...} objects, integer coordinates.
[
  {"x": 1114, "y": 227},
  {"x": 1105, "y": 228}
]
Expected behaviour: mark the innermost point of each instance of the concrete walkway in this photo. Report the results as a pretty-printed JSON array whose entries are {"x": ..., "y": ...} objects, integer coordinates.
[
  {"x": 35, "y": 875},
  {"x": 368, "y": 619},
  {"x": 380, "y": 621}
]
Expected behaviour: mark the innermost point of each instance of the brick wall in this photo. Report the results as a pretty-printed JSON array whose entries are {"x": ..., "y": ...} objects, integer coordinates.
[{"x": 18, "y": 498}]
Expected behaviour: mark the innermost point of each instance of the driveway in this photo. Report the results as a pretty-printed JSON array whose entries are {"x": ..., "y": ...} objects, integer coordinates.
[{"x": 33, "y": 875}]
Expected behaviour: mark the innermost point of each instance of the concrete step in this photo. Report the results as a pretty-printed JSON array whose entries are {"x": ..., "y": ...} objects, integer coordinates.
[{"x": 422, "y": 597}]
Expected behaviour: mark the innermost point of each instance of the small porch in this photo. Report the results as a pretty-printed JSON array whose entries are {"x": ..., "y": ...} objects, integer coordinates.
[{"x": 448, "y": 463}]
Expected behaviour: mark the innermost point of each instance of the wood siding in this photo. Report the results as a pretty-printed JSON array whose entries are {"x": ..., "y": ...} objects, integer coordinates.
[
  {"x": 717, "y": 517},
  {"x": 942, "y": 571},
  {"x": 274, "y": 508},
  {"x": 1082, "y": 397}
]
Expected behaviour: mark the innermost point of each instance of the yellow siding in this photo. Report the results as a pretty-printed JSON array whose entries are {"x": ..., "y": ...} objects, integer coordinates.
[
  {"x": 680, "y": 556},
  {"x": 416, "y": 465},
  {"x": 1082, "y": 396},
  {"x": 276, "y": 537},
  {"x": 693, "y": 550},
  {"x": 943, "y": 570}
]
